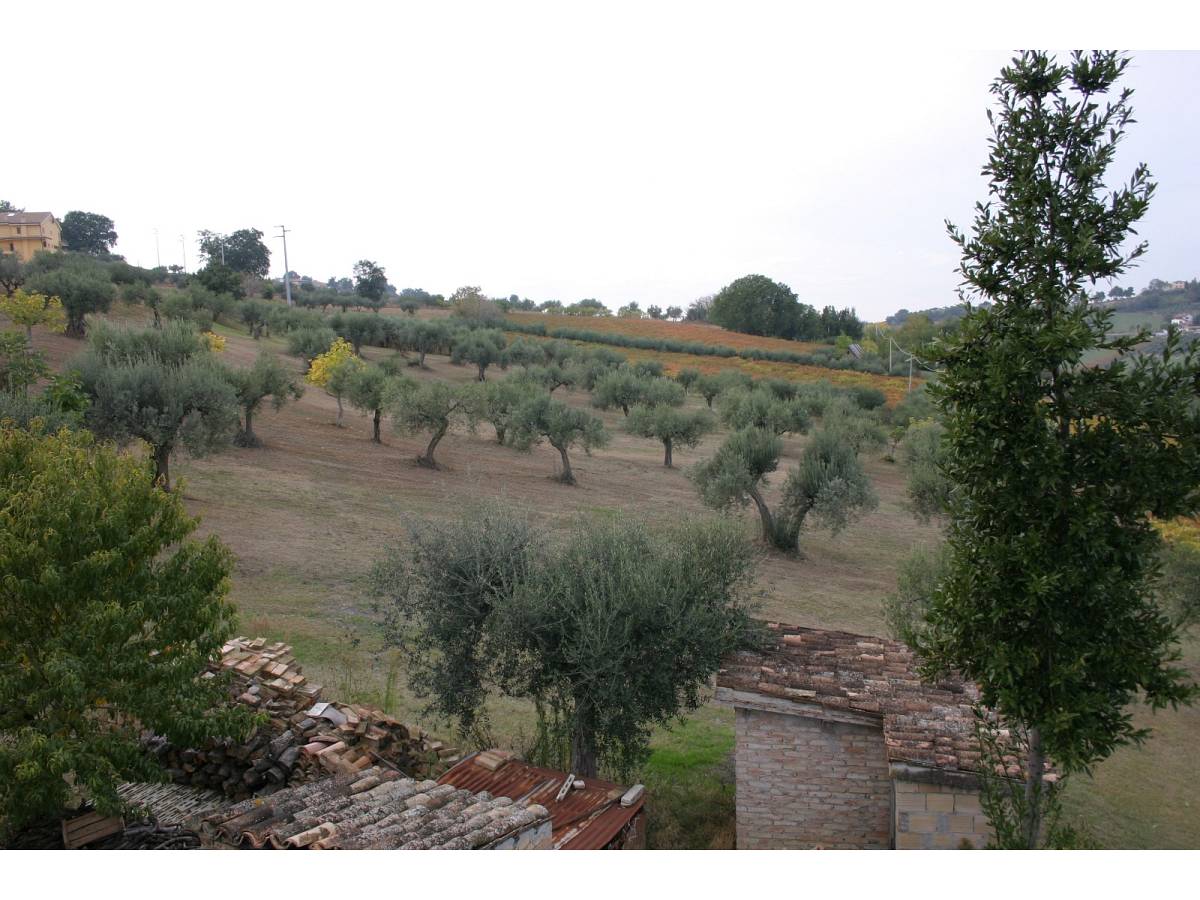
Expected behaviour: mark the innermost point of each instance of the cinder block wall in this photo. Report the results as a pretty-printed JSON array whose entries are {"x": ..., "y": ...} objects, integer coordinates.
[
  {"x": 804, "y": 783},
  {"x": 935, "y": 817}
]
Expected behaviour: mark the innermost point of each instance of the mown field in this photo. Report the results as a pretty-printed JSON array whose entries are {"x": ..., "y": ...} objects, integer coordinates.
[{"x": 308, "y": 514}]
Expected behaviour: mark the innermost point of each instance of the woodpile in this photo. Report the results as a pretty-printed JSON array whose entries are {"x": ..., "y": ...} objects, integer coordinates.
[{"x": 304, "y": 738}]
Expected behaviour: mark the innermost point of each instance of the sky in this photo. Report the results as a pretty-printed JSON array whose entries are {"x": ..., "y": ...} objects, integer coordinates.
[{"x": 646, "y": 152}]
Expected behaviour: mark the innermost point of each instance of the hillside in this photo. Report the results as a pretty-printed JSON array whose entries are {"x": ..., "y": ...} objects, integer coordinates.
[{"x": 308, "y": 514}]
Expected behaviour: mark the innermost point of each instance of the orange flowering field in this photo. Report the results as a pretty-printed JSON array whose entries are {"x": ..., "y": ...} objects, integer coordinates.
[
  {"x": 894, "y": 387},
  {"x": 699, "y": 332}
]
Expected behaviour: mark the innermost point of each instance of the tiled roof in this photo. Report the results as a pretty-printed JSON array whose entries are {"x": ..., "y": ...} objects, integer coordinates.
[
  {"x": 373, "y": 809},
  {"x": 24, "y": 218},
  {"x": 929, "y": 725},
  {"x": 587, "y": 818}
]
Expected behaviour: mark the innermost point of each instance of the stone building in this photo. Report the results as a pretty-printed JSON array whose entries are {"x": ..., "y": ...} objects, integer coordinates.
[{"x": 841, "y": 745}]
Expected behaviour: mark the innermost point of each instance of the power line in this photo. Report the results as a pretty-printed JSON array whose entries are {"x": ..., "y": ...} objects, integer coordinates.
[{"x": 287, "y": 269}]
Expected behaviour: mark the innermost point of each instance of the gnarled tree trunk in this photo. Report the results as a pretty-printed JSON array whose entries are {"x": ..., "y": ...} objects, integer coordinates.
[
  {"x": 162, "y": 467},
  {"x": 1034, "y": 787},
  {"x": 667, "y": 454},
  {"x": 426, "y": 459},
  {"x": 567, "y": 477},
  {"x": 375, "y": 436}
]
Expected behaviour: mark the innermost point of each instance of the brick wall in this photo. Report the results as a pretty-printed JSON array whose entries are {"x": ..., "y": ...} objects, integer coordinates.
[
  {"x": 804, "y": 783},
  {"x": 937, "y": 817}
]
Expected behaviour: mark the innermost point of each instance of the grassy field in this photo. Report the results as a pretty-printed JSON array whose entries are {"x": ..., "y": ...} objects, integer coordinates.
[{"x": 310, "y": 512}]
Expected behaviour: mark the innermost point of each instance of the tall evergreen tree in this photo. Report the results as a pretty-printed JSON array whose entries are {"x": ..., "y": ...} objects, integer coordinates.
[{"x": 1057, "y": 467}]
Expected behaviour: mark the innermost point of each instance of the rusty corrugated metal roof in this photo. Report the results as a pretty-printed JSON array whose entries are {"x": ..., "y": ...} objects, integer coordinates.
[{"x": 586, "y": 819}]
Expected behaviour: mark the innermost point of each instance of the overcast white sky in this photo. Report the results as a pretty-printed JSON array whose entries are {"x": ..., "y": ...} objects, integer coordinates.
[{"x": 650, "y": 152}]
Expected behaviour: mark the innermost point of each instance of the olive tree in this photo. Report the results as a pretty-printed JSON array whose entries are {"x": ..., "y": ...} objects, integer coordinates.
[
  {"x": 736, "y": 474},
  {"x": 525, "y": 354},
  {"x": 148, "y": 385},
  {"x": 828, "y": 484},
  {"x": 368, "y": 389},
  {"x": 562, "y": 427},
  {"x": 611, "y": 631},
  {"x": 761, "y": 408},
  {"x": 82, "y": 291},
  {"x": 111, "y": 612},
  {"x": 482, "y": 347},
  {"x": 268, "y": 377},
  {"x": 687, "y": 377},
  {"x": 433, "y": 407},
  {"x": 501, "y": 399},
  {"x": 673, "y": 426}
]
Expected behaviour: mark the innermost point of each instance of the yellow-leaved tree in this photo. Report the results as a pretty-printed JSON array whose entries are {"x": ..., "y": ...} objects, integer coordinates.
[
  {"x": 27, "y": 309},
  {"x": 332, "y": 370}
]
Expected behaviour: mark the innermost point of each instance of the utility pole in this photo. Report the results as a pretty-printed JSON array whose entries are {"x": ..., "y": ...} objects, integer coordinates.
[
  {"x": 287, "y": 269},
  {"x": 891, "y": 345},
  {"x": 157, "y": 255},
  {"x": 910, "y": 359},
  {"x": 183, "y": 249}
]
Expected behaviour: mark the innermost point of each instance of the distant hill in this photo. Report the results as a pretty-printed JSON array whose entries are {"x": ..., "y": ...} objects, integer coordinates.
[{"x": 936, "y": 314}]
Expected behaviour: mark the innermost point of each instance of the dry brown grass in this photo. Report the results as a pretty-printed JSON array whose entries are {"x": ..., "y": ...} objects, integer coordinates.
[{"x": 308, "y": 514}]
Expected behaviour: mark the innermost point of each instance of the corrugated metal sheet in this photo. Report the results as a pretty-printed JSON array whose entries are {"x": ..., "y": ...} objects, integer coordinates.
[{"x": 585, "y": 819}]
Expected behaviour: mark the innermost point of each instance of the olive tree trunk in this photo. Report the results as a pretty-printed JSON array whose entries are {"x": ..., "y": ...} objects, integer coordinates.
[
  {"x": 162, "y": 466},
  {"x": 567, "y": 477},
  {"x": 426, "y": 459},
  {"x": 764, "y": 513},
  {"x": 667, "y": 453},
  {"x": 375, "y": 435}
]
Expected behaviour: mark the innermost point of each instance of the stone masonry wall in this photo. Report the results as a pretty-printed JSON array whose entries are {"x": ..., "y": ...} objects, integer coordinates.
[
  {"x": 805, "y": 783},
  {"x": 935, "y": 817}
]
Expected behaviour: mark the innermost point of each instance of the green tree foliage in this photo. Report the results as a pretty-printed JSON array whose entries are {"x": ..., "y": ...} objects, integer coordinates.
[
  {"x": 710, "y": 386},
  {"x": 360, "y": 329},
  {"x": 828, "y": 485},
  {"x": 425, "y": 337},
  {"x": 81, "y": 290},
  {"x": 434, "y": 408},
  {"x": 928, "y": 488},
  {"x": 370, "y": 283},
  {"x": 109, "y": 615},
  {"x": 673, "y": 426},
  {"x": 142, "y": 294},
  {"x": 501, "y": 399},
  {"x": 308, "y": 343},
  {"x": 904, "y": 609},
  {"x": 242, "y": 252},
  {"x": 611, "y": 632},
  {"x": 1058, "y": 467},
  {"x": 1178, "y": 587},
  {"x": 255, "y": 315},
  {"x": 687, "y": 377},
  {"x": 221, "y": 280},
  {"x": 20, "y": 365},
  {"x": 157, "y": 385},
  {"x": 468, "y": 302},
  {"x": 482, "y": 347},
  {"x": 754, "y": 304},
  {"x": 543, "y": 418},
  {"x": 268, "y": 377},
  {"x": 761, "y": 408},
  {"x": 368, "y": 391},
  {"x": 736, "y": 474},
  {"x": 91, "y": 233},
  {"x": 526, "y": 354},
  {"x": 12, "y": 273}
]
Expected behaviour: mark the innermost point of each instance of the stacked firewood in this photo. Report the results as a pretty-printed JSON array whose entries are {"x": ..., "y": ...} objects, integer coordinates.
[{"x": 303, "y": 738}]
